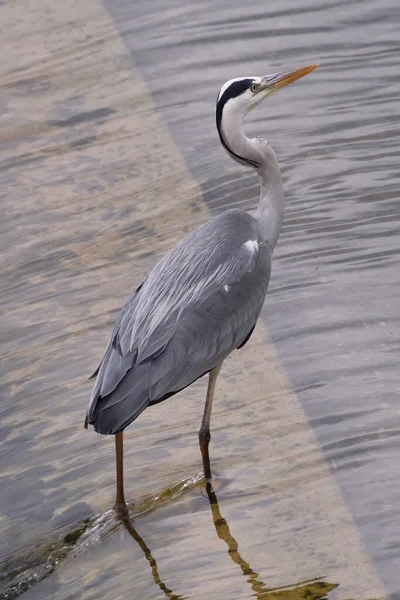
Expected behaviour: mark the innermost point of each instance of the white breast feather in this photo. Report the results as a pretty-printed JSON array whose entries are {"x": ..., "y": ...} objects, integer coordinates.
[{"x": 251, "y": 245}]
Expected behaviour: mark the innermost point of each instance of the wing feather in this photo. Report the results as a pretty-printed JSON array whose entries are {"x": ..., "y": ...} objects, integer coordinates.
[{"x": 196, "y": 305}]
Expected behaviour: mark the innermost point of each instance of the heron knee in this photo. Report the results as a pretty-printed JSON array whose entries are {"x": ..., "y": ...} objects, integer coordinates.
[{"x": 204, "y": 435}]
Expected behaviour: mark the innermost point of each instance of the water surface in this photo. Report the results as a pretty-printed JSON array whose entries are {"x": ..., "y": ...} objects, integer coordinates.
[{"x": 108, "y": 156}]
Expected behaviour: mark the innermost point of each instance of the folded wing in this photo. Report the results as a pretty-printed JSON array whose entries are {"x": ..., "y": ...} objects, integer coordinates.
[{"x": 197, "y": 304}]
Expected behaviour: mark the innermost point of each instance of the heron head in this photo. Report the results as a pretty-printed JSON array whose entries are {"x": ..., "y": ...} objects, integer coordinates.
[
  {"x": 236, "y": 98},
  {"x": 245, "y": 93}
]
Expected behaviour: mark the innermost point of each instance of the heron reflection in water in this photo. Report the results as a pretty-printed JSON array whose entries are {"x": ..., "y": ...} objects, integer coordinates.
[
  {"x": 313, "y": 589},
  {"x": 23, "y": 572},
  {"x": 203, "y": 299}
]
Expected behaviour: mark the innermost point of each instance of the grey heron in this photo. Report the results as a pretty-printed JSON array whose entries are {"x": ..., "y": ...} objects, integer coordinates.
[{"x": 203, "y": 299}]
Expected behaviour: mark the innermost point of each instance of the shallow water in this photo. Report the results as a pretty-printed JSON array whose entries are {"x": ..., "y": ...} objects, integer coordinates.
[{"x": 108, "y": 156}]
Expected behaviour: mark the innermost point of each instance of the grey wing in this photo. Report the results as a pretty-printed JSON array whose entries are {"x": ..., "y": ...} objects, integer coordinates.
[
  {"x": 128, "y": 306},
  {"x": 197, "y": 304},
  {"x": 220, "y": 324}
]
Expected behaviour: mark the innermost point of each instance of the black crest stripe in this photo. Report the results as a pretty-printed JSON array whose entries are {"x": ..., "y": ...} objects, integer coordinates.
[{"x": 235, "y": 89}]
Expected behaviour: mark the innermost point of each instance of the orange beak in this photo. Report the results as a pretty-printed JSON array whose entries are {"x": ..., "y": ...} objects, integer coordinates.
[{"x": 279, "y": 80}]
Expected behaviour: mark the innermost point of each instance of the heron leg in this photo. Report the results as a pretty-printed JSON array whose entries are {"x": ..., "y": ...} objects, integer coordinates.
[
  {"x": 204, "y": 433},
  {"x": 120, "y": 504}
]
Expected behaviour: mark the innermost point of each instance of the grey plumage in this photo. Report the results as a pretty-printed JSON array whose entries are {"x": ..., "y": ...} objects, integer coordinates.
[
  {"x": 197, "y": 304},
  {"x": 202, "y": 300}
]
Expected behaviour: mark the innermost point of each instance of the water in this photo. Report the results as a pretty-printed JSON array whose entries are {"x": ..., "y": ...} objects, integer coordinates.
[{"x": 108, "y": 156}]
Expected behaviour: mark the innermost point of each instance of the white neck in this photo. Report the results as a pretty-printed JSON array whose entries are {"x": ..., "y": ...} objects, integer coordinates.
[
  {"x": 271, "y": 205},
  {"x": 250, "y": 152}
]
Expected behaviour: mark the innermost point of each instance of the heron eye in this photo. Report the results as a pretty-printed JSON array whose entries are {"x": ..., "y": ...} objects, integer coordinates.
[{"x": 254, "y": 87}]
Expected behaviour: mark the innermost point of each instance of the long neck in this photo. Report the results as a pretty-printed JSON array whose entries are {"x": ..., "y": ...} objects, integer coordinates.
[
  {"x": 270, "y": 211},
  {"x": 258, "y": 154}
]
